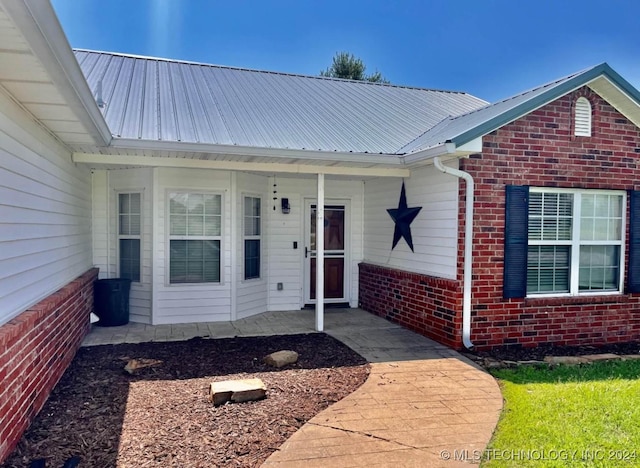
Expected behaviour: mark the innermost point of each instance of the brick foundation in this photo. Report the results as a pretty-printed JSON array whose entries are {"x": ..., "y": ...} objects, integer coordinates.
[
  {"x": 36, "y": 347},
  {"x": 424, "y": 304}
]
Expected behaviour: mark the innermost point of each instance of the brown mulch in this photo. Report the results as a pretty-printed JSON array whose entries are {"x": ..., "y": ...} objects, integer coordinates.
[
  {"x": 162, "y": 416},
  {"x": 520, "y": 353}
]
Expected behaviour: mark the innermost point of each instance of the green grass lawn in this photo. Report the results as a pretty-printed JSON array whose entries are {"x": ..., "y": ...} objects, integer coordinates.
[{"x": 587, "y": 415}]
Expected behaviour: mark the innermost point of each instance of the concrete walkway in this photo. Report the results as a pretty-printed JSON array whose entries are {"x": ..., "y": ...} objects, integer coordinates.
[{"x": 423, "y": 404}]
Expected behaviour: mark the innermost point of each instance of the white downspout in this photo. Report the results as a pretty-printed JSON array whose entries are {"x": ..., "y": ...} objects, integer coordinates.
[{"x": 468, "y": 248}]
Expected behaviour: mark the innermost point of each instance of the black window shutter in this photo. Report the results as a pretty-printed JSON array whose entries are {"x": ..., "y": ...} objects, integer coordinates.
[
  {"x": 633, "y": 285},
  {"x": 516, "y": 227}
]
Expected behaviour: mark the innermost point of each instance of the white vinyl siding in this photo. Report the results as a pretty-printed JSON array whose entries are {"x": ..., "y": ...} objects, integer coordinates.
[
  {"x": 434, "y": 230},
  {"x": 45, "y": 215},
  {"x": 285, "y": 264},
  {"x": 576, "y": 241},
  {"x": 252, "y": 295},
  {"x": 107, "y": 185},
  {"x": 582, "y": 118}
]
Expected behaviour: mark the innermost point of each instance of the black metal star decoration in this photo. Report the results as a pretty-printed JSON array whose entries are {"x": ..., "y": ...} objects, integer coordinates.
[{"x": 403, "y": 216}]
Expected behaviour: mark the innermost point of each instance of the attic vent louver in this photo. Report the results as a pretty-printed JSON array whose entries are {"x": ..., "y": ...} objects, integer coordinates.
[
  {"x": 99, "y": 99},
  {"x": 582, "y": 121}
]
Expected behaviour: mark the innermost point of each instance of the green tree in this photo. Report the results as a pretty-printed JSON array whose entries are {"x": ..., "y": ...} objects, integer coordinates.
[{"x": 346, "y": 65}]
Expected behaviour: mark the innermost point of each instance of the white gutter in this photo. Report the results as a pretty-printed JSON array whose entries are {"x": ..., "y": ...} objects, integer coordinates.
[{"x": 468, "y": 248}]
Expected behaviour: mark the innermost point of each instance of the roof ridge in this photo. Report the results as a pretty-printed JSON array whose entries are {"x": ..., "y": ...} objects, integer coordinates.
[{"x": 270, "y": 72}]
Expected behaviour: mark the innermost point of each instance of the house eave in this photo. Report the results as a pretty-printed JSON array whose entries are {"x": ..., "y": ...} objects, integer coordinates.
[
  {"x": 238, "y": 150},
  {"x": 41, "y": 29},
  {"x": 446, "y": 150},
  {"x": 111, "y": 160}
]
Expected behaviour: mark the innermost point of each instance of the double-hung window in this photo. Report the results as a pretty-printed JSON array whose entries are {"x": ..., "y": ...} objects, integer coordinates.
[
  {"x": 195, "y": 235},
  {"x": 129, "y": 229},
  {"x": 572, "y": 242},
  {"x": 252, "y": 232}
]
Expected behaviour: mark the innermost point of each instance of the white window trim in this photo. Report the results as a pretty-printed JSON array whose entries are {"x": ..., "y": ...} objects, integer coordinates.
[
  {"x": 575, "y": 243},
  {"x": 253, "y": 237},
  {"x": 169, "y": 238},
  {"x": 129, "y": 236}
]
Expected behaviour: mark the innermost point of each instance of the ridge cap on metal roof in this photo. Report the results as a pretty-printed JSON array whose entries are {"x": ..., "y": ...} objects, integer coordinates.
[
  {"x": 596, "y": 70},
  {"x": 269, "y": 72},
  {"x": 531, "y": 90},
  {"x": 554, "y": 90}
]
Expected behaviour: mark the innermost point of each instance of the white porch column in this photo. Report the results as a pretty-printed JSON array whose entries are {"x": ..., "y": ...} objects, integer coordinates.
[{"x": 320, "y": 255}]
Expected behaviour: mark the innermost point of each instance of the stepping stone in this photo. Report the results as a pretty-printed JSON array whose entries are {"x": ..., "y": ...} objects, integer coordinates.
[
  {"x": 236, "y": 391},
  {"x": 281, "y": 358}
]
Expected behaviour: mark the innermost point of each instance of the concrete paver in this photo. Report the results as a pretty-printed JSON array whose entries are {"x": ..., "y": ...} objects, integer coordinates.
[{"x": 422, "y": 405}]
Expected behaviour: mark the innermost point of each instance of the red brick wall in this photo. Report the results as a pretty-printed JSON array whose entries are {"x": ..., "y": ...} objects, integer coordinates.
[
  {"x": 540, "y": 150},
  {"x": 35, "y": 349},
  {"x": 424, "y": 304}
]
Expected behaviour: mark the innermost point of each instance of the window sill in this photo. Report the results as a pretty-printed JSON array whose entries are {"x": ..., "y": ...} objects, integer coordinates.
[{"x": 576, "y": 300}]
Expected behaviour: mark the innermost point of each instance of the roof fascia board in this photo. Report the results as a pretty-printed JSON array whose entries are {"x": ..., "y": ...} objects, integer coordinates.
[
  {"x": 146, "y": 161},
  {"x": 284, "y": 153},
  {"x": 623, "y": 85},
  {"x": 539, "y": 101},
  {"x": 624, "y": 92},
  {"x": 40, "y": 27}
]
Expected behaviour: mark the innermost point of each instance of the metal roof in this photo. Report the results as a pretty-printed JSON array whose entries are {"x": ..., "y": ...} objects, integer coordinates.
[
  {"x": 466, "y": 127},
  {"x": 163, "y": 100}
]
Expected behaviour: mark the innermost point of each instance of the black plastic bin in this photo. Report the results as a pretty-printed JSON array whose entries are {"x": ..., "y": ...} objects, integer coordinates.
[{"x": 111, "y": 301}]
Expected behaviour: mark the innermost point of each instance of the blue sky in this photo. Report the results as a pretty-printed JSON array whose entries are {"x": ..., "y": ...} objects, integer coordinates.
[{"x": 490, "y": 48}]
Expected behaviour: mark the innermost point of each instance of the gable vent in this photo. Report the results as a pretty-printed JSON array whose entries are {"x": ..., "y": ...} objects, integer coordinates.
[{"x": 582, "y": 122}]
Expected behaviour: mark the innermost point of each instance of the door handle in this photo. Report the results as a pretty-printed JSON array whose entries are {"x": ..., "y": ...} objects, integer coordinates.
[{"x": 306, "y": 251}]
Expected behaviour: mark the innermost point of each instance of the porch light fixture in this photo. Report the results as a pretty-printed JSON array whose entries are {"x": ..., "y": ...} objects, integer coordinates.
[{"x": 286, "y": 208}]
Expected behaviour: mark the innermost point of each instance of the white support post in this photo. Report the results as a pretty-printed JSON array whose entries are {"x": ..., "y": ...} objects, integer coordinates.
[{"x": 320, "y": 255}]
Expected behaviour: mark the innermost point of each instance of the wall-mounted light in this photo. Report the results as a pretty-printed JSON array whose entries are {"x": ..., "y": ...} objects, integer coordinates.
[{"x": 284, "y": 203}]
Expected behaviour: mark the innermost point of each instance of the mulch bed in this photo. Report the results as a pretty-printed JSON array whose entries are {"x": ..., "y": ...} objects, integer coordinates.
[
  {"x": 162, "y": 416},
  {"x": 520, "y": 353}
]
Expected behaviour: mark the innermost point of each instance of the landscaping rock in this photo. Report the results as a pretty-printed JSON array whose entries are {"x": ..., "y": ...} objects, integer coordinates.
[
  {"x": 281, "y": 358},
  {"x": 629, "y": 357},
  {"x": 237, "y": 391},
  {"x": 134, "y": 365},
  {"x": 510, "y": 363},
  {"x": 601, "y": 357},
  {"x": 553, "y": 360},
  {"x": 532, "y": 362},
  {"x": 490, "y": 363}
]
